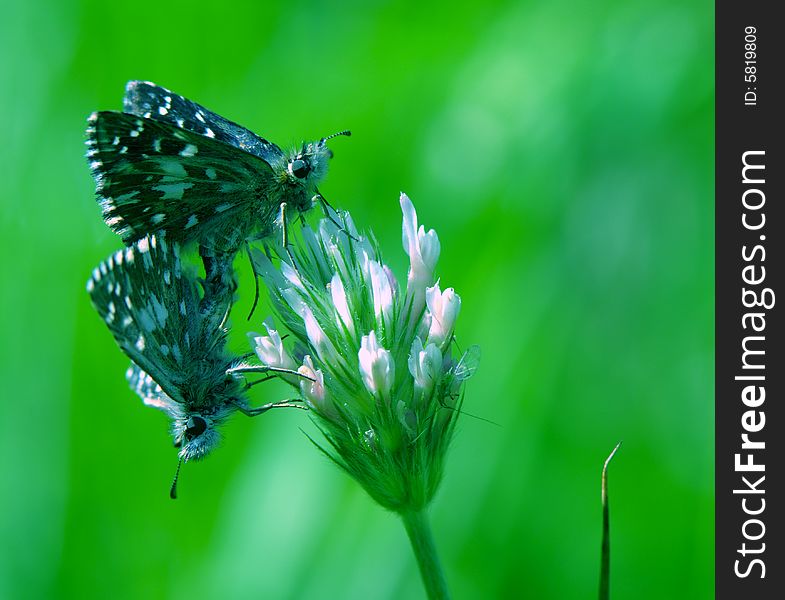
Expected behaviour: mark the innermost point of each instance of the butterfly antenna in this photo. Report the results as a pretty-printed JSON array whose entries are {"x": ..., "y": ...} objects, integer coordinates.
[
  {"x": 255, "y": 279},
  {"x": 173, "y": 489},
  {"x": 345, "y": 132}
]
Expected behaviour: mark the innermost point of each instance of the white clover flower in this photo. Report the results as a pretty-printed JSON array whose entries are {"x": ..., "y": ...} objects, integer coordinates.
[
  {"x": 318, "y": 339},
  {"x": 443, "y": 308},
  {"x": 269, "y": 348},
  {"x": 312, "y": 385},
  {"x": 425, "y": 365},
  {"x": 353, "y": 325},
  {"x": 338, "y": 295},
  {"x": 376, "y": 365},
  {"x": 423, "y": 251},
  {"x": 379, "y": 282}
]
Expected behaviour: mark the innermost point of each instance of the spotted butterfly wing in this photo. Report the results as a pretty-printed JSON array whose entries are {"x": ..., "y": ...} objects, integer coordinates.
[
  {"x": 169, "y": 164},
  {"x": 151, "y": 101},
  {"x": 179, "y": 360},
  {"x": 150, "y": 392},
  {"x": 152, "y": 176}
]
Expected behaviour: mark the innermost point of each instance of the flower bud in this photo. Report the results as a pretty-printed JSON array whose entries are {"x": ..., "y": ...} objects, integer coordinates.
[
  {"x": 312, "y": 389},
  {"x": 376, "y": 365},
  {"x": 423, "y": 251},
  {"x": 338, "y": 295},
  {"x": 443, "y": 308},
  {"x": 269, "y": 348},
  {"x": 425, "y": 365}
]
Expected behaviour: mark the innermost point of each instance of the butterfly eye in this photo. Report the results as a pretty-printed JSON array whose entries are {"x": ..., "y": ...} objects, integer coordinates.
[
  {"x": 299, "y": 168},
  {"x": 195, "y": 426}
]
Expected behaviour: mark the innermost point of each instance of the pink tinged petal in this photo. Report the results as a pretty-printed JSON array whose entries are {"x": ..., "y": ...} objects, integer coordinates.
[
  {"x": 291, "y": 275},
  {"x": 423, "y": 251},
  {"x": 319, "y": 340},
  {"x": 391, "y": 279},
  {"x": 312, "y": 389},
  {"x": 409, "y": 225},
  {"x": 338, "y": 295},
  {"x": 425, "y": 365},
  {"x": 443, "y": 308},
  {"x": 269, "y": 348},
  {"x": 376, "y": 365},
  {"x": 382, "y": 293}
]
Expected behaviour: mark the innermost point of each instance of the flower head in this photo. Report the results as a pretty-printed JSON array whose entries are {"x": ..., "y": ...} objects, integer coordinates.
[{"x": 389, "y": 428}]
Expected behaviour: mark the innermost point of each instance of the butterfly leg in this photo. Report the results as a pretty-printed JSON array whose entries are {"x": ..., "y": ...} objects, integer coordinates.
[
  {"x": 266, "y": 369},
  {"x": 328, "y": 212},
  {"x": 252, "y": 412},
  {"x": 285, "y": 239},
  {"x": 255, "y": 280}
]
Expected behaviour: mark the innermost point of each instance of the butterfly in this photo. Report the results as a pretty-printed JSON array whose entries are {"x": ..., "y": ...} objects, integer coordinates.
[
  {"x": 179, "y": 360},
  {"x": 168, "y": 164}
]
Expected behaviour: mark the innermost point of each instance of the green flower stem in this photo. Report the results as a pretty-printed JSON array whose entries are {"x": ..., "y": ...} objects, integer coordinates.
[{"x": 422, "y": 542}]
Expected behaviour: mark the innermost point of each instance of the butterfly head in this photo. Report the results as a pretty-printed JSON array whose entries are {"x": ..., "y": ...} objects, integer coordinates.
[
  {"x": 309, "y": 164},
  {"x": 196, "y": 435}
]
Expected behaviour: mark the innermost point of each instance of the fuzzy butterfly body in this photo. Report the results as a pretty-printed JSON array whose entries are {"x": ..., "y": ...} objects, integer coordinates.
[
  {"x": 168, "y": 164},
  {"x": 180, "y": 364}
]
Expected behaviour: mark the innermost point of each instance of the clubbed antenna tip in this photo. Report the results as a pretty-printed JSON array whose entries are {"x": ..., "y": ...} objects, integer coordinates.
[{"x": 345, "y": 132}]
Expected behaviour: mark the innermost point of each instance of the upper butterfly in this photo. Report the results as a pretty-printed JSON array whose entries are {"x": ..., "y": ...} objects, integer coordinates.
[{"x": 168, "y": 164}]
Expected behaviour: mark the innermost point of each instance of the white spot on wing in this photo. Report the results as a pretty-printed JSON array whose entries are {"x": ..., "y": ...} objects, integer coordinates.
[
  {"x": 192, "y": 221},
  {"x": 145, "y": 318},
  {"x": 172, "y": 191},
  {"x": 173, "y": 168},
  {"x": 189, "y": 150},
  {"x": 209, "y": 132},
  {"x": 157, "y": 218},
  {"x": 159, "y": 309},
  {"x": 126, "y": 198},
  {"x": 162, "y": 110}
]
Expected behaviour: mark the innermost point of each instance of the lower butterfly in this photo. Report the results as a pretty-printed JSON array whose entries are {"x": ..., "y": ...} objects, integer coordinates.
[{"x": 179, "y": 360}]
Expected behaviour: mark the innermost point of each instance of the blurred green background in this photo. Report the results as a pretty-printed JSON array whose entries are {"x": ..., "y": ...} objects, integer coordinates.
[{"x": 564, "y": 153}]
